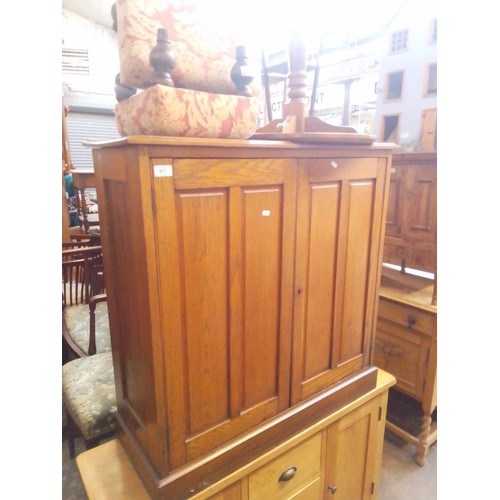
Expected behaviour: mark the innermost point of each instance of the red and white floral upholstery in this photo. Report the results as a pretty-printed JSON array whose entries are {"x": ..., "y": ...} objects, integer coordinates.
[
  {"x": 203, "y": 103},
  {"x": 162, "y": 110}
]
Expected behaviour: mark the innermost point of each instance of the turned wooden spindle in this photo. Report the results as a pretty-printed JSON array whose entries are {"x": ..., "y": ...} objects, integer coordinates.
[
  {"x": 123, "y": 92},
  {"x": 294, "y": 118},
  {"x": 297, "y": 82},
  {"x": 241, "y": 73},
  {"x": 162, "y": 59},
  {"x": 113, "y": 16}
]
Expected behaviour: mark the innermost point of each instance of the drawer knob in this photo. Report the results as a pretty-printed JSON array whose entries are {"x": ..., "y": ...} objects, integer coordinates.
[
  {"x": 332, "y": 489},
  {"x": 288, "y": 474},
  {"x": 411, "y": 321}
]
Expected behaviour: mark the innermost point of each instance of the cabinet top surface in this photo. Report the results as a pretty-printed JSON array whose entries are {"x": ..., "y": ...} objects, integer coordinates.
[
  {"x": 407, "y": 288},
  {"x": 340, "y": 141}
]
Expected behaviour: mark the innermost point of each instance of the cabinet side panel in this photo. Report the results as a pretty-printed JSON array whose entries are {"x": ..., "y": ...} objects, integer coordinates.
[
  {"x": 131, "y": 299},
  {"x": 262, "y": 221}
]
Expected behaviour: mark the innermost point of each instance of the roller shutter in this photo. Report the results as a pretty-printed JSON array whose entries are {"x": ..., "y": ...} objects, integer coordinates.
[{"x": 87, "y": 126}]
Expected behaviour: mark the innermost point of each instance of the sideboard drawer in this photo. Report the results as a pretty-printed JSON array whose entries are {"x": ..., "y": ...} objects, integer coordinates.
[
  {"x": 288, "y": 475},
  {"x": 408, "y": 317}
]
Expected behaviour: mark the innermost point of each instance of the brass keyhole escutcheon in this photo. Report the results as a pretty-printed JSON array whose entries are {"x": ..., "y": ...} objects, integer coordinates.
[
  {"x": 288, "y": 474},
  {"x": 332, "y": 489}
]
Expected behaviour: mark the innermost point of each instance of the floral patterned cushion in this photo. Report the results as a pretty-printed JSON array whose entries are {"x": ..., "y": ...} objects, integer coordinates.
[
  {"x": 89, "y": 395},
  {"x": 169, "y": 111},
  {"x": 202, "y": 42},
  {"x": 77, "y": 323}
]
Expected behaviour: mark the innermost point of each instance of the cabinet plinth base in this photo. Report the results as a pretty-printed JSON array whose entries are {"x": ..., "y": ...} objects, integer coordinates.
[{"x": 197, "y": 475}]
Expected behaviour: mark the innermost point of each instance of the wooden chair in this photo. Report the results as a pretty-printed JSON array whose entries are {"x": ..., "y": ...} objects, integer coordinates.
[
  {"x": 85, "y": 323},
  {"x": 89, "y": 399}
]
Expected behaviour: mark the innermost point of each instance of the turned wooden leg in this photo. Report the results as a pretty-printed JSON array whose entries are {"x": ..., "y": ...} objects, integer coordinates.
[
  {"x": 423, "y": 439},
  {"x": 70, "y": 433}
]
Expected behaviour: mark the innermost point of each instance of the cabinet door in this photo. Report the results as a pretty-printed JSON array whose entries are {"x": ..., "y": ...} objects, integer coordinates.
[
  {"x": 419, "y": 206},
  {"x": 353, "y": 453},
  {"x": 225, "y": 237},
  {"x": 339, "y": 224},
  {"x": 394, "y": 216},
  {"x": 404, "y": 354}
]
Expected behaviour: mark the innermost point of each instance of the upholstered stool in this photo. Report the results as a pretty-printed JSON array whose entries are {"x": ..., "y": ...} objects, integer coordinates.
[
  {"x": 204, "y": 101},
  {"x": 89, "y": 398}
]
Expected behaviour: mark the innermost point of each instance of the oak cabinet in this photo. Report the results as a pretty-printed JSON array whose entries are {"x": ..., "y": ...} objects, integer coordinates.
[
  {"x": 242, "y": 279},
  {"x": 411, "y": 225}
]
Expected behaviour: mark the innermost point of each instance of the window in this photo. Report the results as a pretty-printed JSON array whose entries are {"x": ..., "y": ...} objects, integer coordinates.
[
  {"x": 399, "y": 41},
  {"x": 390, "y": 128},
  {"x": 394, "y": 85},
  {"x": 434, "y": 31},
  {"x": 431, "y": 80}
]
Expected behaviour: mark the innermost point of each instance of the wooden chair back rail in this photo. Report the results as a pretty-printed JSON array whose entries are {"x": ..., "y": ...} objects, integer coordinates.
[{"x": 82, "y": 274}]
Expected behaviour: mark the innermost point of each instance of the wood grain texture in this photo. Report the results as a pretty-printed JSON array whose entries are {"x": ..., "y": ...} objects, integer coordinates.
[{"x": 243, "y": 278}]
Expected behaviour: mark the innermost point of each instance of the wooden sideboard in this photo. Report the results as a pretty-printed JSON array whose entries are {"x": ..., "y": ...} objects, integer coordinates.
[
  {"x": 406, "y": 346},
  {"x": 242, "y": 281},
  {"x": 338, "y": 455},
  {"x": 406, "y": 338}
]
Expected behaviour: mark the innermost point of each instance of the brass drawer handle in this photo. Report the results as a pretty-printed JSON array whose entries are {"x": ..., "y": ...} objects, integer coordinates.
[
  {"x": 411, "y": 321},
  {"x": 332, "y": 489},
  {"x": 288, "y": 474}
]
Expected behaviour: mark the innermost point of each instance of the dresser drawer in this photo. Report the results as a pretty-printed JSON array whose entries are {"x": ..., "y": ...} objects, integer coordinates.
[
  {"x": 407, "y": 317},
  {"x": 290, "y": 475}
]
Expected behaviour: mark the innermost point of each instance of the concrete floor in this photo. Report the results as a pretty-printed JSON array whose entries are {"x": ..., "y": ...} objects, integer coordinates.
[{"x": 401, "y": 478}]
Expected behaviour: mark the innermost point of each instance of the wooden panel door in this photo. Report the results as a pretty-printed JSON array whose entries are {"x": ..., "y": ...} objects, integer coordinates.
[
  {"x": 420, "y": 220},
  {"x": 405, "y": 355},
  {"x": 429, "y": 130},
  {"x": 353, "y": 453},
  {"x": 339, "y": 228},
  {"x": 393, "y": 221},
  {"x": 225, "y": 238}
]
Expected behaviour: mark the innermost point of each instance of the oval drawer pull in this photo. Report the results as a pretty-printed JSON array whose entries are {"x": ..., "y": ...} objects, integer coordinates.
[
  {"x": 411, "y": 321},
  {"x": 288, "y": 474},
  {"x": 332, "y": 489}
]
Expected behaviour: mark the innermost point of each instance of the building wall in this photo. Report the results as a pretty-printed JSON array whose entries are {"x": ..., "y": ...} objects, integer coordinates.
[
  {"x": 417, "y": 17},
  {"x": 95, "y": 90}
]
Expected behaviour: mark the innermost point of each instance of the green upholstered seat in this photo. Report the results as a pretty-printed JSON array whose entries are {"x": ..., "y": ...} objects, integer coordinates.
[{"x": 89, "y": 397}]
